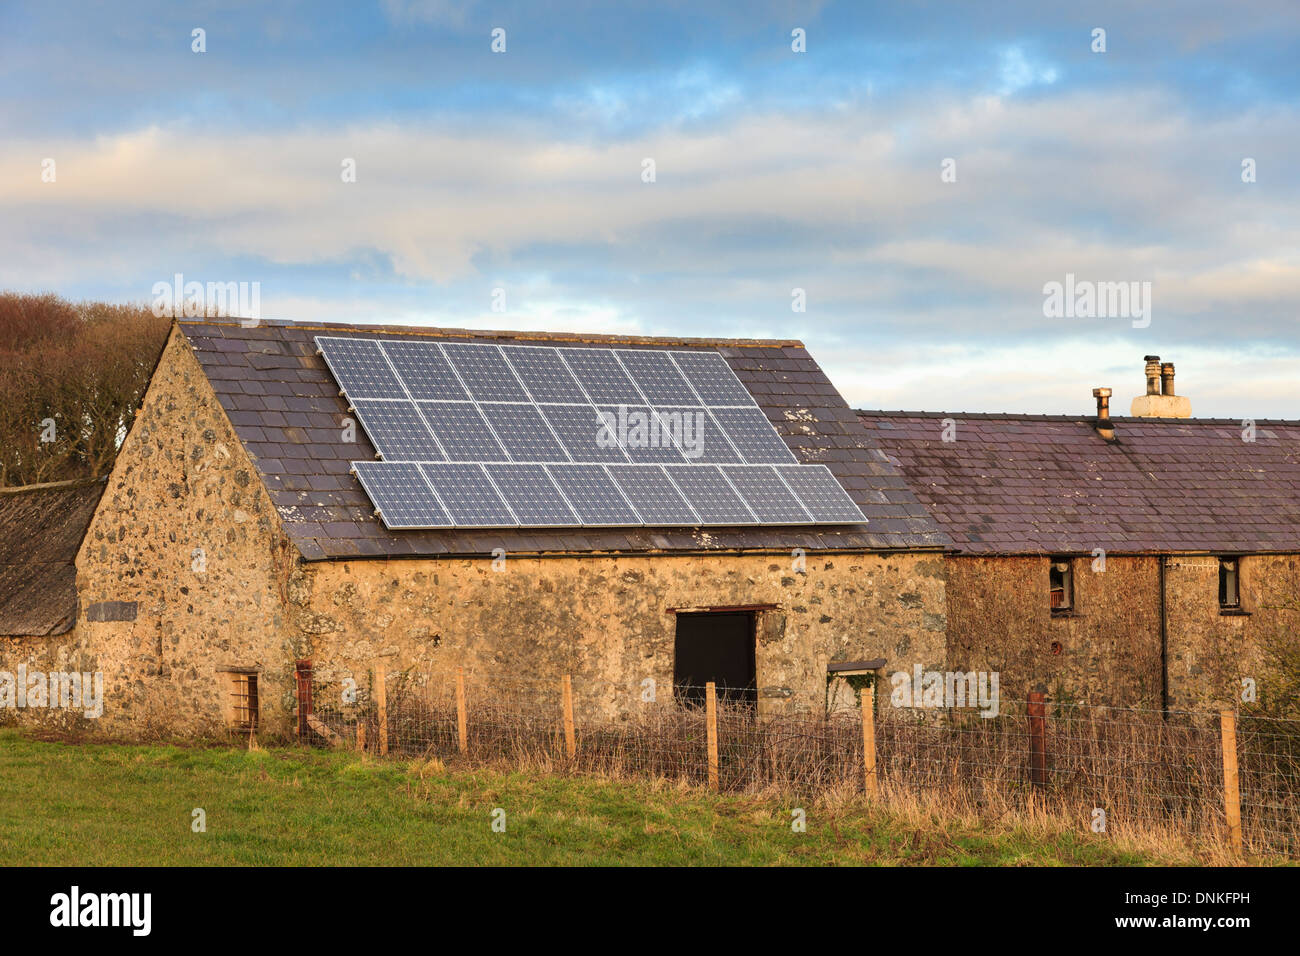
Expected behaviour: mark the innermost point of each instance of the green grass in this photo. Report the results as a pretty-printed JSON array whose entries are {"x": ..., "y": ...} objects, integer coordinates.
[{"x": 97, "y": 804}]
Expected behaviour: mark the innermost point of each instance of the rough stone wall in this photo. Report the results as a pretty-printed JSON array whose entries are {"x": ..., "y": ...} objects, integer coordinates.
[
  {"x": 1107, "y": 651},
  {"x": 43, "y": 655},
  {"x": 608, "y": 621},
  {"x": 182, "y": 569},
  {"x": 1209, "y": 651}
]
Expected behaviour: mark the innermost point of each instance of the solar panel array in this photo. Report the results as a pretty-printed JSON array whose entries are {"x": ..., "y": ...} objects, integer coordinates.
[{"x": 503, "y": 436}]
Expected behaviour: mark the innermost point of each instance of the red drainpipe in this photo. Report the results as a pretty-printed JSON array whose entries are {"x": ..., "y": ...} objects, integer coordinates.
[{"x": 302, "y": 671}]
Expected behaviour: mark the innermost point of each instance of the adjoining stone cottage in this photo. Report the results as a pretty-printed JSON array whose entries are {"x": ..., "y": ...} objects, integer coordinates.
[
  {"x": 41, "y": 529},
  {"x": 232, "y": 540},
  {"x": 1146, "y": 561}
]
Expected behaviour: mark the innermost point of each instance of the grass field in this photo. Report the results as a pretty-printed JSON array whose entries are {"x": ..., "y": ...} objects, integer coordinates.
[{"x": 132, "y": 805}]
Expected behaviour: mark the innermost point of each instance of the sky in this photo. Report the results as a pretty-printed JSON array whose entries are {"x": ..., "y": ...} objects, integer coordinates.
[{"x": 899, "y": 193}]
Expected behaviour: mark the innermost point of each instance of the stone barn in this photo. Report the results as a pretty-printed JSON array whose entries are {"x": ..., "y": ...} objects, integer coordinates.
[
  {"x": 235, "y": 537},
  {"x": 1151, "y": 560}
]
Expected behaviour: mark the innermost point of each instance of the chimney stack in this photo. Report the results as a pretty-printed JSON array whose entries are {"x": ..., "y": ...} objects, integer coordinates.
[
  {"x": 1153, "y": 374},
  {"x": 1160, "y": 400},
  {"x": 1167, "y": 378},
  {"x": 1105, "y": 427}
]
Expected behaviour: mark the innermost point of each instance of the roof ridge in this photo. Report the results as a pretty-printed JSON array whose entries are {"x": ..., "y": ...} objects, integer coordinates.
[
  {"x": 514, "y": 335},
  {"x": 1042, "y": 416},
  {"x": 48, "y": 485}
]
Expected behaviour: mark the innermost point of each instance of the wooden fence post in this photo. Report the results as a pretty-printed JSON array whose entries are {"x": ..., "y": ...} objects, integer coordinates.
[
  {"x": 570, "y": 745},
  {"x": 869, "y": 780},
  {"x": 381, "y": 703},
  {"x": 711, "y": 721},
  {"x": 1037, "y": 739},
  {"x": 1231, "y": 785},
  {"x": 462, "y": 724},
  {"x": 361, "y": 736}
]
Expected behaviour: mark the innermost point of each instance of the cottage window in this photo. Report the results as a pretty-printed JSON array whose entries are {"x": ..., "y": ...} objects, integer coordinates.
[
  {"x": 1229, "y": 584},
  {"x": 1061, "y": 585}
]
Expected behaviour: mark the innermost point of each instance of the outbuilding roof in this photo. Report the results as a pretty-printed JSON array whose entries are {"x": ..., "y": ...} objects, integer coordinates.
[
  {"x": 41, "y": 527},
  {"x": 287, "y": 411},
  {"x": 1050, "y": 483}
]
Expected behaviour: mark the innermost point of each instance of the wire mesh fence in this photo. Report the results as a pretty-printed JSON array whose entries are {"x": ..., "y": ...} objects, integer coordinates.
[{"x": 1111, "y": 768}]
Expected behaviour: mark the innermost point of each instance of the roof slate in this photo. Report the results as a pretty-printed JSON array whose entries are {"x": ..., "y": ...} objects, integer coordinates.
[
  {"x": 1044, "y": 484},
  {"x": 286, "y": 409}
]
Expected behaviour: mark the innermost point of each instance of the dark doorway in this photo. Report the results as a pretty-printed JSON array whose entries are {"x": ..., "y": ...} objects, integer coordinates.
[{"x": 716, "y": 647}]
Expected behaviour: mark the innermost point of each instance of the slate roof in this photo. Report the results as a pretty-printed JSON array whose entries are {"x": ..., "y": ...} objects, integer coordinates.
[
  {"x": 1049, "y": 483},
  {"x": 286, "y": 408},
  {"x": 41, "y": 527}
]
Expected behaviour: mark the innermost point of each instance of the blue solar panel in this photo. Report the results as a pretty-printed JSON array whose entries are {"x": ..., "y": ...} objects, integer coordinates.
[
  {"x": 532, "y": 496},
  {"x": 821, "y": 494},
  {"x": 523, "y": 432},
  {"x": 360, "y": 368},
  {"x": 463, "y": 432},
  {"x": 767, "y": 495},
  {"x": 702, "y": 439},
  {"x": 753, "y": 436},
  {"x": 401, "y": 495},
  {"x": 642, "y": 434},
  {"x": 593, "y": 494},
  {"x": 583, "y": 433},
  {"x": 655, "y": 373},
  {"x": 601, "y": 376},
  {"x": 653, "y": 495},
  {"x": 489, "y": 421},
  {"x": 712, "y": 378},
  {"x": 425, "y": 370},
  {"x": 469, "y": 496},
  {"x": 485, "y": 372},
  {"x": 544, "y": 374},
  {"x": 397, "y": 430},
  {"x": 710, "y": 495}
]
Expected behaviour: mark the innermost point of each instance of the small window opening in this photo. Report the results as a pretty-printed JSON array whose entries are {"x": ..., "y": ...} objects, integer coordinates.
[
  {"x": 1229, "y": 584},
  {"x": 241, "y": 704},
  {"x": 1061, "y": 584}
]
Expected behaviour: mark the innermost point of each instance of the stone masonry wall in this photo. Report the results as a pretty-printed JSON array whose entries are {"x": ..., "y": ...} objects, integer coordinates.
[
  {"x": 607, "y": 621},
  {"x": 1107, "y": 650},
  {"x": 183, "y": 567}
]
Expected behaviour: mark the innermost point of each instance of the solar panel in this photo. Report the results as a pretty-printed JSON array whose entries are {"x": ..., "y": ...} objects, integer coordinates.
[
  {"x": 425, "y": 370},
  {"x": 582, "y": 433},
  {"x": 544, "y": 374},
  {"x": 712, "y": 378},
  {"x": 401, "y": 495},
  {"x": 820, "y": 493},
  {"x": 753, "y": 436},
  {"x": 485, "y": 372},
  {"x": 601, "y": 376},
  {"x": 468, "y": 495},
  {"x": 767, "y": 495},
  {"x": 710, "y": 495},
  {"x": 653, "y": 495},
  {"x": 657, "y": 376},
  {"x": 641, "y": 433},
  {"x": 532, "y": 496},
  {"x": 360, "y": 368},
  {"x": 701, "y": 438},
  {"x": 545, "y": 436},
  {"x": 396, "y": 430},
  {"x": 463, "y": 432},
  {"x": 523, "y": 432},
  {"x": 593, "y": 494}
]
